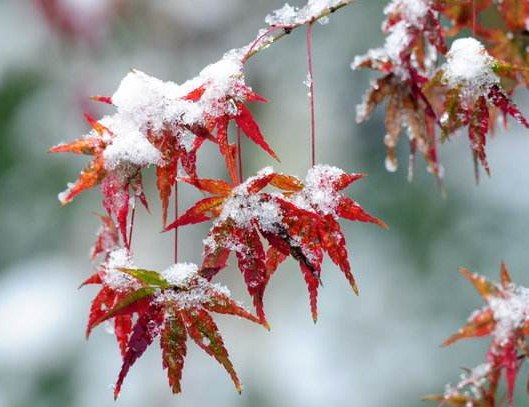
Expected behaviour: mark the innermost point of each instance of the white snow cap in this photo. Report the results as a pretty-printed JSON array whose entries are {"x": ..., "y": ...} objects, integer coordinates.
[
  {"x": 413, "y": 13},
  {"x": 244, "y": 208},
  {"x": 113, "y": 277},
  {"x": 180, "y": 274},
  {"x": 318, "y": 192},
  {"x": 469, "y": 65},
  {"x": 290, "y": 16},
  {"x": 195, "y": 290},
  {"x": 147, "y": 104},
  {"x": 510, "y": 313}
]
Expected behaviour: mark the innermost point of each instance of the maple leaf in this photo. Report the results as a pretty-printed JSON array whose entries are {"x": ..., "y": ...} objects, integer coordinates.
[
  {"x": 233, "y": 108},
  {"x": 94, "y": 144},
  {"x": 406, "y": 108},
  {"x": 116, "y": 182},
  {"x": 178, "y": 147},
  {"x": 473, "y": 91},
  {"x": 300, "y": 222},
  {"x": 174, "y": 305},
  {"x": 506, "y": 319},
  {"x": 406, "y": 60}
]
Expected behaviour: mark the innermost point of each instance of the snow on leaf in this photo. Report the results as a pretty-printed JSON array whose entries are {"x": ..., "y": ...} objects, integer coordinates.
[
  {"x": 298, "y": 221},
  {"x": 174, "y": 304},
  {"x": 505, "y": 318},
  {"x": 473, "y": 89},
  {"x": 163, "y": 124}
]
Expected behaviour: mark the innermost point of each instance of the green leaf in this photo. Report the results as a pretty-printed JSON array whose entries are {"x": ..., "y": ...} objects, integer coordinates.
[{"x": 148, "y": 277}]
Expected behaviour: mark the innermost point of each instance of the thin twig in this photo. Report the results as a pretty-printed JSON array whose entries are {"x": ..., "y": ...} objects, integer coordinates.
[
  {"x": 239, "y": 153},
  {"x": 131, "y": 226},
  {"x": 262, "y": 42},
  {"x": 310, "y": 80}
]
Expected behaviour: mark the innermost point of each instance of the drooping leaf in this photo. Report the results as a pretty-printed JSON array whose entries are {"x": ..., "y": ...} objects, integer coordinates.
[
  {"x": 204, "y": 332},
  {"x": 174, "y": 350}
]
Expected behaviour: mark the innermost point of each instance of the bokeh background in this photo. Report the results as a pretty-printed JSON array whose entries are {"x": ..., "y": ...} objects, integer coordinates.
[{"x": 378, "y": 349}]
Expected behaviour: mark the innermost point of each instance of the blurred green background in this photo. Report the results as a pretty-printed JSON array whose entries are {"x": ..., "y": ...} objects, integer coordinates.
[{"x": 378, "y": 349}]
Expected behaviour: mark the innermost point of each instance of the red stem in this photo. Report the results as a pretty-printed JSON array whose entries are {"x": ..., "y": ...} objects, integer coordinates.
[
  {"x": 239, "y": 153},
  {"x": 311, "y": 95},
  {"x": 256, "y": 41},
  {"x": 131, "y": 227},
  {"x": 176, "y": 217}
]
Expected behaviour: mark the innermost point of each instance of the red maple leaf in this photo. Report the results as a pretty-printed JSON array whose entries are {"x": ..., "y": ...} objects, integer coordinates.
[
  {"x": 175, "y": 304},
  {"x": 406, "y": 62},
  {"x": 300, "y": 222},
  {"x": 115, "y": 183},
  {"x": 506, "y": 319}
]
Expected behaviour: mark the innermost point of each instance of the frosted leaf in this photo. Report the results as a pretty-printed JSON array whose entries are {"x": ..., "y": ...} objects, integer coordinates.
[
  {"x": 147, "y": 105},
  {"x": 129, "y": 146},
  {"x": 243, "y": 207},
  {"x": 61, "y": 196},
  {"x": 319, "y": 193},
  {"x": 470, "y": 385},
  {"x": 397, "y": 41},
  {"x": 198, "y": 291},
  {"x": 180, "y": 274},
  {"x": 470, "y": 66},
  {"x": 412, "y": 18},
  {"x": 510, "y": 313},
  {"x": 112, "y": 276}
]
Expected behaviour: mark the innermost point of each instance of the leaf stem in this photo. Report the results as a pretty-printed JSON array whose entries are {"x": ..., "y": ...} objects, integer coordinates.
[
  {"x": 239, "y": 154},
  {"x": 176, "y": 217},
  {"x": 131, "y": 226},
  {"x": 310, "y": 79}
]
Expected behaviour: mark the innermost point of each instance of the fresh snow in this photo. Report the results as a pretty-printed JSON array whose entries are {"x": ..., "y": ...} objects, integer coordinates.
[
  {"x": 147, "y": 105},
  {"x": 510, "y": 313},
  {"x": 291, "y": 16},
  {"x": 244, "y": 208},
  {"x": 319, "y": 193},
  {"x": 112, "y": 277},
  {"x": 470, "y": 384},
  {"x": 192, "y": 291},
  {"x": 413, "y": 14},
  {"x": 180, "y": 274},
  {"x": 470, "y": 66}
]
